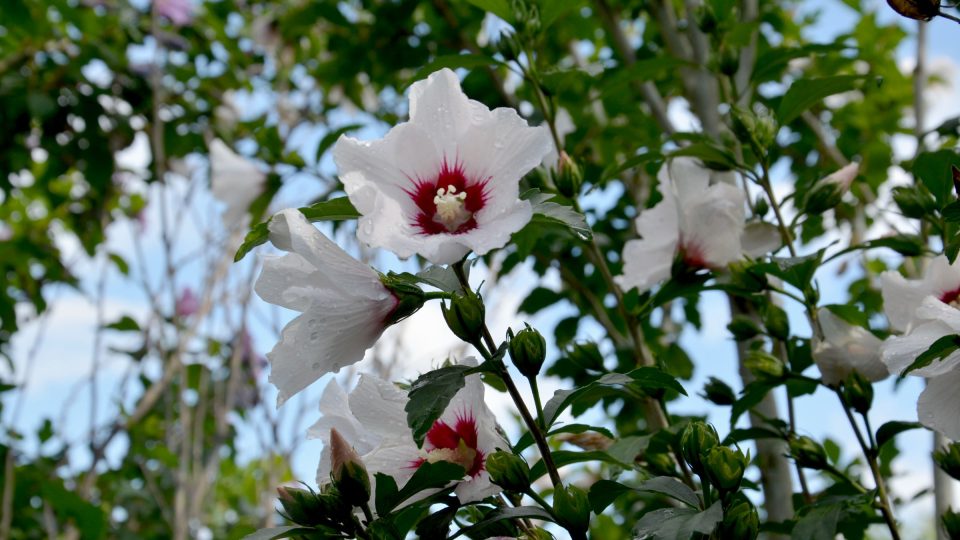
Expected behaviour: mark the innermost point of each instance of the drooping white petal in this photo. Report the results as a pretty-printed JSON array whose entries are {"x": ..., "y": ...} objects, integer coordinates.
[
  {"x": 901, "y": 298},
  {"x": 647, "y": 261},
  {"x": 938, "y": 407},
  {"x": 235, "y": 180},
  {"x": 847, "y": 348},
  {"x": 379, "y": 406},
  {"x": 686, "y": 177},
  {"x": 712, "y": 224},
  {"x": 760, "y": 238},
  {"x": 344, "y": 304},
  {"x": 334, "y": 332},
  {"x": 442, "y": 109}
]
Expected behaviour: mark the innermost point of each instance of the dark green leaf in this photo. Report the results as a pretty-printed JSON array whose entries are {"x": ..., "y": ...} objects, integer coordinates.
[
  {"x": 276, "y": 533},
  {"x": 647, "y": 379},
  {"x": 710, "y": 154},
  {"x": 539, "y": 298},
  {"x": 938, "y": 350},
  {"x": 604, "y": 492},
  {"x": 330, "y": 138},
  {"x": 678, "y": 523},
  {"x": 429, "y": 396},
  {"x": 428, "y": 476},
  {"x": 501, "y": 514},
  {"x": 338, "y": 209},
  {"x": 934, "y": 170},
  {"x": 500, "y": 8},
  {"x": 820, "y": 523},
  {"x": 893, "y": 428},
  {"x": 673, "y": 488},
  {"x": 125, "y": 324},
  {"x": 548, "y": 212},
  {"x": 569, "y": 457},
  {"x": 527, "y": 439},
  {"x": 805, "y": 92}
]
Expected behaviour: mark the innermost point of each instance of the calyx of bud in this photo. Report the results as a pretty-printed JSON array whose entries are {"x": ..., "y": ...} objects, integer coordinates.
[
  {"x": 508, "y": 471},
  {"x": 348, "y": 471},
  {"x": 465, "y": 316},
  {"x": 528, "y": 350},
  {"x": 697, "y": 439}
]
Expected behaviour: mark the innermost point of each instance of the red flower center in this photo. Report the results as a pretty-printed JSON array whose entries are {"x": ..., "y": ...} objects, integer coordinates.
[
  {"x": 447, "y": 202},
  {"x": 950, "y": 297},
  {"x": 456, "y": 444}
]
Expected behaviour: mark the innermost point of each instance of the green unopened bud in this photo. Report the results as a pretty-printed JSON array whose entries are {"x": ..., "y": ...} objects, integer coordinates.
[
  {"x": 743, "y": 328},
  {"x": 948, "y": 459},
  {"x": 858, "y": 392},
  {"x": 568, "y": 177},
  {"x": 719, "y": 392},
  {"x": 301, "y": 506},
  {"x": 829, "y": 191},
  {"x": 740, "y": 520},
  {"x": 725, "y": 467},
  {"x": 950, "y": 521},
  {"x": 757, "y": 125},
  {"x": 808, "y": 453},
  {"x": 763, "y": 365},
  {"x": 913, "y": 202},
  {"x": 572, "y": 508},
  {"x": 659, "y": 463},
  {"x": 761, "y": 206},
  {"x": 508, "y": 46},
  {"x": 409, "y": 297},
  {"x": 697, "y": 439},
  {"x": 707, "y": 19},
  {"x": 528, "y": 350},
  {"x": 729, "y": 61},
  {"x": 465, "y": 316},
  {"x": 921, "y": 10},
  {"x": 349, "y": 474},
  {"x": 508, "y": 471},
  {"x": 776, "y": 322}
]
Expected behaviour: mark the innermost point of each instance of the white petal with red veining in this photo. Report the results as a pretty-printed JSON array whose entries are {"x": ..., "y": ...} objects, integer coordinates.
[{"x": 449, "y": 140}]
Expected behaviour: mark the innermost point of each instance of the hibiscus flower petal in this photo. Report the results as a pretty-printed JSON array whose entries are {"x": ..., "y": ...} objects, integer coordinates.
[{"x": 939, "y": 403}]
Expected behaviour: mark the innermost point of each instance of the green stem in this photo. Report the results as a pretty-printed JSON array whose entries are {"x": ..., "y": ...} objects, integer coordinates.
[
  {"x": 543, "y": 503},
  {"x": 437, "y": 295},
  {"x": 488, "y": 353},
  {"x": 870, "y": 452},
  {"x": 535, "y": 390}
]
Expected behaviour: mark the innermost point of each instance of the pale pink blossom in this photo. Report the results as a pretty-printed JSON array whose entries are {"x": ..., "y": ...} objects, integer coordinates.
[{"x": 180, "y": 12}]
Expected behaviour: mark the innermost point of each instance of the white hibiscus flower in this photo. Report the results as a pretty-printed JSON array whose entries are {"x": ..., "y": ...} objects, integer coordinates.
[
  {"x": 701, "y": 218},
  {"x": 373, "y": 420},
  {"x": 344, "y": 305},
  {"x": 847, "y": 348},
  {"x": 234, "y": 180},
  {"x": 925, "y": 310},
  {"x": 446, "y": 182}
]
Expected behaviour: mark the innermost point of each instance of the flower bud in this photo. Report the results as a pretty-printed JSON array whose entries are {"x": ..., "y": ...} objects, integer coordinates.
[
  {"x": 300, "y": 506},
  {"x": 349, "y": 474},
  {"x": 921, "y": 10},
  {"x": 729, "y": 61},
  {"x": 828, "y": 191},
  {"x": 743, "y": 328},
  {"x": 948, "y": 459},
  {"x": 718, "y": 392},
  {"x": 508, "y": 471},
  {"x": 659, "y": 463},
  {"x": 409, "y": 297},
  {"x": 759, "y": 126},
  {"x": 528, "y": 350},
  {"x": 740, "y": 520},
  {"x": 808, "y": 453},
  {"x": 764, "y": 365},
  {"x": 913, "y": 202},
  {"x": 725, "y": 467},
  {"x": 697, "y": 439},
  {"x": 858, "y": 392},
  {"x": 465, "y": 316},
  {"x": 572, "y": 508},
  {"x": 950, "y": 521},
  {"x": 569, "y": 177},
  {"x": 776, "y": 322}
]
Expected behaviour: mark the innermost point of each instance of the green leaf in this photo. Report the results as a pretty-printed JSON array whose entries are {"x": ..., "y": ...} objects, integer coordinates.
[
  {"x": 125, "y": 324},
  {"x": 331, "y": 137},
  {"x": 569, "y": 457},
  {"x": 934, "y": 170},
  {"x": 500, "y": 8},
  {"x": 441, "y": 277},
  {"x": 428, "y": 476},
  {"x": 275, "y": 533},
  {"x": 678, "y": 523},
  {"x": 753, "y": 394},
  {"x": 626, "y": 449},
  {"x": 673, "y": 488},
  {"x": 646, "y": 379},
  {"x": 803, "y": 93},
  {"x": 386, "y": 494},
  {"x": 454, "y": 61},
  {"x": 820, "y": 523},
  {"x": 526, "y": 440},
  {"x": 503, "y": 514},
  {"x": 891, "y": 429},
  {"x": 120, "y": 263},
  {"x": 67, "y": 505},
  {"x": 614, "y": 170},
  {"x": 546, "y": 212},
  {"x": 938, "y": 350},
  {"x": 338, "y": 209},
  {"x": 710, "y": 154},
  {"x": 538, "y": 299},
  {"x": 429, "y": 396},
  {"x": 604, "y": 492},
  {"x": 951, "y": 212}
]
